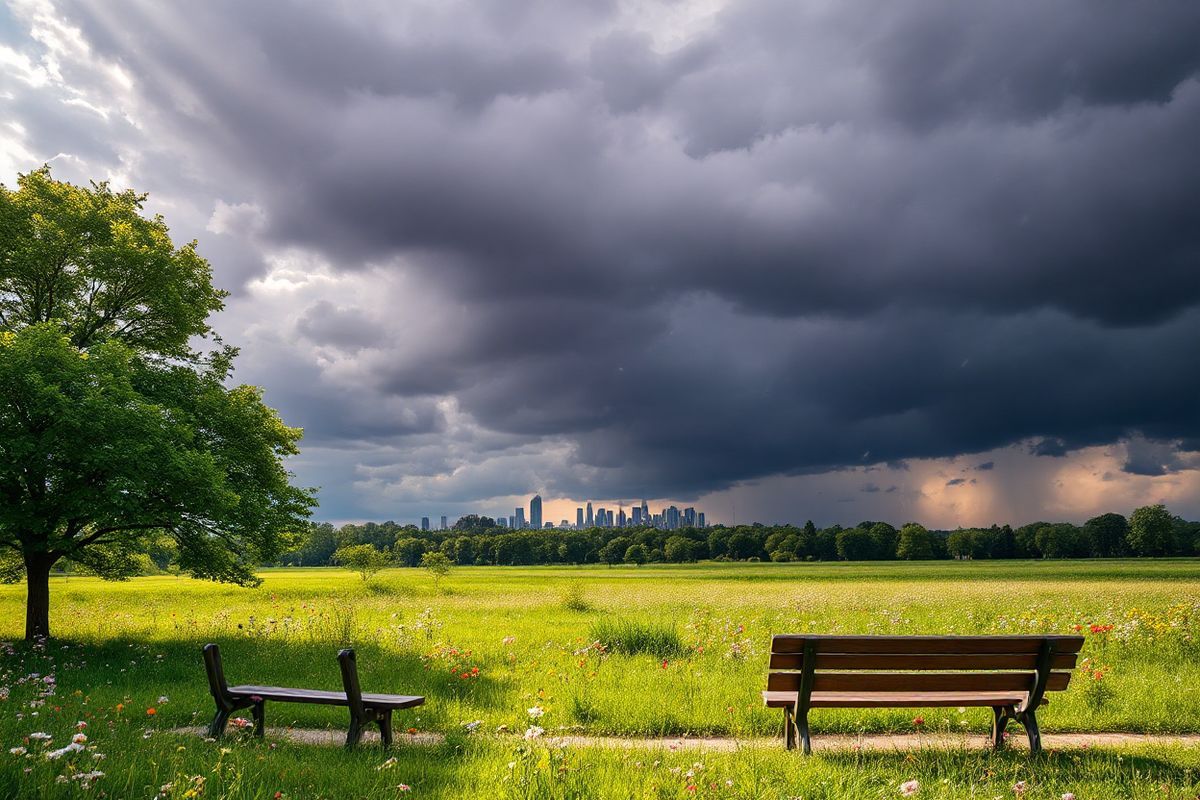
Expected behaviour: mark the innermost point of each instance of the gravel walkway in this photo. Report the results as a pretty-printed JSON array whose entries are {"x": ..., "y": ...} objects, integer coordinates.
[{"x": 900, "y": 741}]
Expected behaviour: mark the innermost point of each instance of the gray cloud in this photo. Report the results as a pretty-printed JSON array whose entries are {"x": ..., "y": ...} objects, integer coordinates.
[{"x": 675, "y": 253}]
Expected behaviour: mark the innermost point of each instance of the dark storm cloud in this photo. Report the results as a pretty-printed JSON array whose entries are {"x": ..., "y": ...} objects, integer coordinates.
[
  {"x": 801, "y": 234},
  {"x": 986, "y": 466}
]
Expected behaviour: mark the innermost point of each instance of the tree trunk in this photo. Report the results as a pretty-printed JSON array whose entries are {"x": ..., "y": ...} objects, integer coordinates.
[{"x": 37, "y": 597}]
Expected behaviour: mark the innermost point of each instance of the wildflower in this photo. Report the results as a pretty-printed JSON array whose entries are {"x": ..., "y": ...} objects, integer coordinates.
[
  {"x": 17, "y": 751},
  {"x": 909, "y": 788},
  {"x": 73, "y": 747},
  {"x": 1068, "y": 796},
  {"x": 535, "y": 712},
  {"x": 79, "y": 738},
  {"x": 391, "y": 762},
  {"x": 918, "y": 721},
  {"x": 404, "y": 787},
  {"x": 412, "y": 731},
  {"x": 1019, "y": 788},
  {"x": 163, "y": 699},
  {"x": 240, "y": 722},
  {"x": 508, "y": 639},
  {"x": 39, "y": 736},
  {"x": 80, "y": 725},
  {"x": 533, "y": 731},
  {"x": 471, "y": 727}
]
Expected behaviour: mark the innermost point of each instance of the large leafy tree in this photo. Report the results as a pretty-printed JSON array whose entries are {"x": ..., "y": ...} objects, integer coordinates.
[{"x": 114, "y": 431}]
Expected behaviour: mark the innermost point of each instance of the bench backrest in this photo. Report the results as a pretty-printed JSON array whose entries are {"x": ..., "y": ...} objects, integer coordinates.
[
  {"x": 216, "y": 673},
  {"x": 865, "y": 664},
  {"x": 349, "y": 667}
]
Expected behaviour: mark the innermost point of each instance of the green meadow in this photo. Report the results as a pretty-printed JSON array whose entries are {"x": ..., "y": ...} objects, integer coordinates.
[{"x": 637, "y": 652}]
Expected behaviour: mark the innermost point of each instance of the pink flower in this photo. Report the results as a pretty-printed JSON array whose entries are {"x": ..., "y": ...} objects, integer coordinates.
[
  {"x": 1019, "y": 788},
  {"x": 404, "y": 787},
  {"x": 1068, "y": 796},
  {"x": 909, "y": 788}
]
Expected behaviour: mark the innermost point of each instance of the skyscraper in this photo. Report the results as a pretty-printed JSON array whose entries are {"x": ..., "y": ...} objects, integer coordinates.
[
  {"x": 609, "y": 519},
  {"x": 444, "y": 525},
  {"x": 579, "y": 519},
  {"x": 637, "y": 516},
  {"x": 601, "y": 518},
  {"x": 424, "y": 523},
  {"x": 535, "y": 512},
  {"x": 700, "y": 519},
  {"x": 689, "y": 517},
  {"x": 520, "y": 517},
  {"x": 590, "y": 520},
  {"x": 621, "y": 518},
  {"x": 645, "y": 513},
  {"x": 512, "y": 522}
]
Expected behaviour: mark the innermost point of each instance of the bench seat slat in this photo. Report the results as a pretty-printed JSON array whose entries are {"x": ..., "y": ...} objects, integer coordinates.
[
  {"x": 867, "y": 682},
  {"x": 780, "y": 699},
  {"x": 283, "y": 694},
  {"x": 925, "y": 661},
  {"x": 918, "y": 645}
]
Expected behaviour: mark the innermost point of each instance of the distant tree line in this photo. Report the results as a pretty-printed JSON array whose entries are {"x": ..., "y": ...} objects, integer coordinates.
[{"x": 477, "y": 540}]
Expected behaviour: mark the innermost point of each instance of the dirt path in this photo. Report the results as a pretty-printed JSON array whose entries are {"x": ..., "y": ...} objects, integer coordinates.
[{"x": 901, "y": 741}]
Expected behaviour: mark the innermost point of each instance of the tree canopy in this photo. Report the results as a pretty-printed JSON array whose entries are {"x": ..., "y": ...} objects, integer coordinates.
[{"x": 113, "y": 431}]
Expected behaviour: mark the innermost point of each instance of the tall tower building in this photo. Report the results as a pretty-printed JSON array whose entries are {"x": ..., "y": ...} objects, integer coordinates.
[
  {"x": 700, "y": 520},
  {"x": 444, "y": 525},
  {"x": 424, "y": 523},
  {"x": 520, "y": 517},
  {"x": 512, "y": 522},
  {"x": 637, "y": 516},
  {"x": 621, "y": 518},
  {"x": 579, "y": 519},
  {"x": 645, "y": 512},
  {"x": 689, "y": 517},
  {"x": 535, "y": 512},
  {"x": 590, "y": 520}
]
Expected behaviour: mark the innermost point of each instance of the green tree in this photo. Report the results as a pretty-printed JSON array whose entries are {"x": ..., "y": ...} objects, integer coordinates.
[
  {"x": 1150, "y": 529},
  {"x": 113, "y": 431},
  {"x": 678, "y": 549},
  {"x": 916, "y": 543},
  {"x": 437, "y": 564},
  {"x": 364, "y": 559},
  {"x": 614, "y": 551},
  {"x": 636, "y": 554},
  {"x": 1107, "y": 534},
  {"x": 855, "y": 544},
  {"x": 886, "y": 538}
]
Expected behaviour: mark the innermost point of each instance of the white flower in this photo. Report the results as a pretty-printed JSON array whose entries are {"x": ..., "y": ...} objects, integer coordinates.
[
  {"x": 471, "y": 727},
  {"x": 73, "y": 747},
  {"x": 18, "y": 751},
  {"x": 1068, "y": 796},
  {"x": 163, "y": 699},
  {"x": 535, "y": 712},
  {"x": 391, "y": 762},
  {"x": 534, "y": 731},
  {"x": 79, "y": 738},
  {"x": 80, "y": 725},
  {"x": 40, "y": 736},
  {"x": 909, "y": 788},
  {"x": 1019, "y": 787}
]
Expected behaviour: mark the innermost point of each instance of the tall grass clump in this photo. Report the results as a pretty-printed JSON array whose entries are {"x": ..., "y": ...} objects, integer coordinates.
[
  {"x": 573, "y": 599},
  {"x": 631, "y": 638}
]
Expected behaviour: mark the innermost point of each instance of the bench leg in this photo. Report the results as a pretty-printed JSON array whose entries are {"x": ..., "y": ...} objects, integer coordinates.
[
  {"x": 1000, "y": 717},
  {"x": 1031, "y": 730},
  {"x": 258, "y": 710},
  {"x": 217, "y": 729},
  {"x": 789, "y": 730},
  {"x": 805, "y": 739},
  {"x": 354, "y": 734},
  {"x": 385, "y": 728}
]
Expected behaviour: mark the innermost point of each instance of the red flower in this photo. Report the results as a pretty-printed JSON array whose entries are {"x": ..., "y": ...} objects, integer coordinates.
[{"x": 918, "y": 721}]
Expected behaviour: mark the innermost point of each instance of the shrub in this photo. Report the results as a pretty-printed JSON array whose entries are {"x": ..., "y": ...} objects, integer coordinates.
[
  {"x": 573, "y": 599},
  {"x": 363, "y": 559}
]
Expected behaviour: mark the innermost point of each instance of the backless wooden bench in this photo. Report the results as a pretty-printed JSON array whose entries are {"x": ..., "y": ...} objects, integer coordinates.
[
  {"x": 364, "y": 708},
  {"x": 1009, "y": 674}
]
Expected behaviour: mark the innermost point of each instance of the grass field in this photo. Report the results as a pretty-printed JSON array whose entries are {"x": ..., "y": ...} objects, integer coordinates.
[{"x": 685, "y": 654}]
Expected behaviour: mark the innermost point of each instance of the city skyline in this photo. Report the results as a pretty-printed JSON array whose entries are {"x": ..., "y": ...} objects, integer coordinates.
[{"x": 589, "y": 514}]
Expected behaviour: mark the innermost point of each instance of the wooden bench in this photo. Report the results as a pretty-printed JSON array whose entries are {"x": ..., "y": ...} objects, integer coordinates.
[
  {"x": 364, "y": 708},
  {"x": 1009, "y": 674}
]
